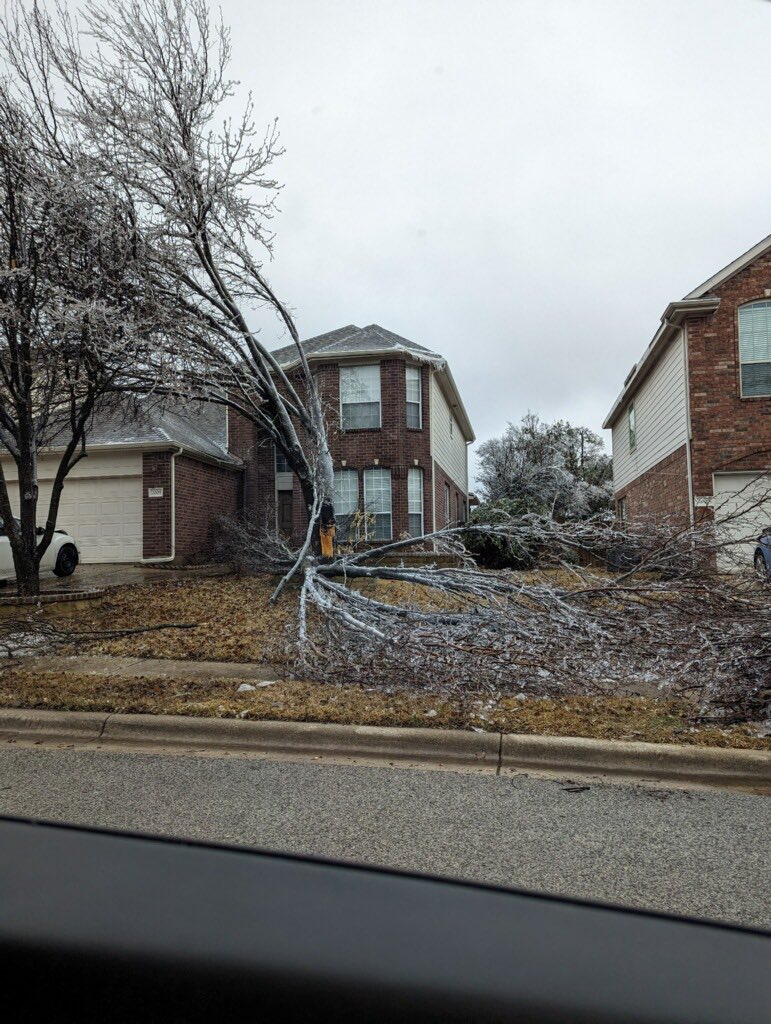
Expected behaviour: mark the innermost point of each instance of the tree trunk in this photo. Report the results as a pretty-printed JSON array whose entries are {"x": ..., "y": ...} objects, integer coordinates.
[{"x": 27, "y": 574}]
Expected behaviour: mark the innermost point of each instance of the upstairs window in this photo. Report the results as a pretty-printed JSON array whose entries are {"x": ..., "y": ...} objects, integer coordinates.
[
  {"x": 415, "y": 502},
  {"x": 360, "y": 397},
  {"x": 377, "y": 503},
  {"x": 632, "y": 421},
  {"x": 346, "y": 501},
  {"x": 414, "y": 398},
  {"x": 282, "y": 466},
  {"x": 755, "y": 349}
]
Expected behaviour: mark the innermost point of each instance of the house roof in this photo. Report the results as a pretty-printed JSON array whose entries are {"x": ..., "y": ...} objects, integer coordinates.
[
  {"x": 352, "y": 342},
  {"x": 201, "y": 429},
  {"x": 698, "y": 302}
]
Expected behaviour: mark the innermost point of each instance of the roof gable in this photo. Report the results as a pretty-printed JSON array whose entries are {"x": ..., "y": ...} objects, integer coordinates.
[
  {"x": 352, "y": 340},
  {"x": 733, "y": 268}
]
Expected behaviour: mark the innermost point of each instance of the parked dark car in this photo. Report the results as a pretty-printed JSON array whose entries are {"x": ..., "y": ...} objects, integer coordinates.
[{"x": 763, "y": 553}]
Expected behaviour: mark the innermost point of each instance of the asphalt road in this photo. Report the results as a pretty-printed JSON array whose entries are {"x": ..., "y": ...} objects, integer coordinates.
[{"x": 698, "y": 852}]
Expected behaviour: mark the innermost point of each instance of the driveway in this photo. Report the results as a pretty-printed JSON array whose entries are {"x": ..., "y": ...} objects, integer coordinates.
[{"x": 97, "y": 577}]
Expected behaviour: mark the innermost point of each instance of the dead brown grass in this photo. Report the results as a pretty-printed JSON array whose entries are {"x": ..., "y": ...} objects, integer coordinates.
[{"x": 627, "y": 718}]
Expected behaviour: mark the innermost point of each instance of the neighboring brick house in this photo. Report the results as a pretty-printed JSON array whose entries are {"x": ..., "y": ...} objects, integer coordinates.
[
  {"x": 398, "y": 434},
  {"x": 692, "y": 425}
]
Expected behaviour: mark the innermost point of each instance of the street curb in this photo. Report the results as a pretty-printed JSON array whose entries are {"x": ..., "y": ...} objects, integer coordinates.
[
  {"x": 357, "y": 741},
  {"x": 486, "y": 750},
  {"x": 708, "y": 765}
]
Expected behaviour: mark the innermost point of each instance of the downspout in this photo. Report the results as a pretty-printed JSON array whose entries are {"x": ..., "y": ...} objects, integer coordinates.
[
  {"x": 173, "y": 555},
  {"x": 689, "y": 464}
]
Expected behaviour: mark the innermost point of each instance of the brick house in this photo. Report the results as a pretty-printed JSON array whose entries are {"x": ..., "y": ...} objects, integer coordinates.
[
  {"x": 692, "y": 425},
  {"x": 152, "y": 488},
  {"x": 398, "y": 433}
]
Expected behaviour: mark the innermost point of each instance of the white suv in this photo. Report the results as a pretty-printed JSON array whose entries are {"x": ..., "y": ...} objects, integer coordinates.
[{"x": 61, "y": 557}]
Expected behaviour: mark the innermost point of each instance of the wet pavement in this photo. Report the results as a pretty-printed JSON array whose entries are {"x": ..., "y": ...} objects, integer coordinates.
[{"x": 99, "y": 577}]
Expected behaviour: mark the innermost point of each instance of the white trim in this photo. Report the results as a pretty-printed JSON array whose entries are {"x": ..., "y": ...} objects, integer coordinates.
[
  {"x": 733, "y": 268},
  {"x": 672, "y": 319}
]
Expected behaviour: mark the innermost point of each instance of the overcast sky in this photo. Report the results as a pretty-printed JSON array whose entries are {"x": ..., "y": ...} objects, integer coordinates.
[{"x": 522, "y": 185}]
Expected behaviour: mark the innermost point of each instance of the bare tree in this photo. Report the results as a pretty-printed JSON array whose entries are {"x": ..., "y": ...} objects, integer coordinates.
[
  {"x": 71, "y": 308},
  {"x": 145, "y": 84}
]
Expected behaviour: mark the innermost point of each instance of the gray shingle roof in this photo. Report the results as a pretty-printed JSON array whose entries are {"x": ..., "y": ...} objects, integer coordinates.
[
  {"x": 352, "y": 340},
  {"x": 200, "y": 427}
]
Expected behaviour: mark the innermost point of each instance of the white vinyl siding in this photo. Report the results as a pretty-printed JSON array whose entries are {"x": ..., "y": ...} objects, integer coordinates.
[
  {"x": 377, "y": 503},
  {"x": 346, "y": 500},
  {"x": 415, "y": 502},
  {"x": 360, "y": 397},
  {"x": 660, "y": 418},
  {"x": 755, "y": 348},
  {"x": 414, "y": 397},
  {"x": 448, "y": 448}
]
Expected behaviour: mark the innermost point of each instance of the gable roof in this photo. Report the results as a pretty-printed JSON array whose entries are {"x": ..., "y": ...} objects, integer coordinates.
[
  {"x": 354, "y": 341},
  {"x": 733, "y": 268},
  {"x": 698, "y": 302},
  {"x": 374, "y": 340}
]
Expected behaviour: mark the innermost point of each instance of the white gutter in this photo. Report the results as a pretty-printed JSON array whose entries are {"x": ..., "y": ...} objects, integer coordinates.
[{"x": 173, "y": 489}]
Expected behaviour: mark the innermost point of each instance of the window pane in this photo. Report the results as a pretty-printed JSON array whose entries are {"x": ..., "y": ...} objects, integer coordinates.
[
  {"x": 282, "y": 466},
  {"x": 756, "y": 379},
  {"x": 414, "y": 397},
  {"x": 361, "y": 415},
  {"x": 360, "y": 383},
  {"x": 413, "y": 415},
  {"x": 377, "y": 502},
  {"x": 415, "y": 502},
  {"x": 346, "y": 491},
  {"x": 755, "y": 332}
]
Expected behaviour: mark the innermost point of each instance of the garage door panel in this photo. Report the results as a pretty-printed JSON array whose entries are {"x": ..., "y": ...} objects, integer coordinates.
[
  {"x": 742, "y": 507},
  {"x": 103, "y": 514}
]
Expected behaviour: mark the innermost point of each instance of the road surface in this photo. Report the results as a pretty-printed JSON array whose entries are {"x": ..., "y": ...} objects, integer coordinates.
[{"x": 698, "y": 852}]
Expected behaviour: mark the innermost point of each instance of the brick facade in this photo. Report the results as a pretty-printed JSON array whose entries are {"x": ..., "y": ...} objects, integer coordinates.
[
  {"x": 203, "y": 492},
  {"x": 458, "y": 500},
  {"x": 730, "y": 433},
  {"x": 660, "y": 493},
  {"x": 156, "y": 512},
  {"x": 393, "y": 446}
]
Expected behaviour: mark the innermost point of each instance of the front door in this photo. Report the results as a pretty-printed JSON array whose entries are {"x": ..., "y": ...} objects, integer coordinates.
[{"x": 285, "y": 513}]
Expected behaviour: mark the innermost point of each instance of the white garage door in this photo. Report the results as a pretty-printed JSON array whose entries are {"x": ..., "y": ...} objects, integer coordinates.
[
  {"x": 742, "y": 502},
  {"x": 102, "y": 510}
]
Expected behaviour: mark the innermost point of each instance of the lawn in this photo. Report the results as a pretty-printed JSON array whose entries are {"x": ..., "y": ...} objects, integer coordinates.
[
  {"x": 620, "y": 718},
  {"x": 235, "y": 623}
]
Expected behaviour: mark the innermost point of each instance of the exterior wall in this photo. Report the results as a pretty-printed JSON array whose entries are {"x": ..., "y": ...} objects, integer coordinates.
[
  {"x": 203, "y": 493},
  {"x": 448, "y": 448},
  {"x": 730, "y": 433},
  {"x": 258, "y": 477},
  {"x": 661, "y": 419},
  {"x": 660, "y": 492},
  {"x": 156, "y": 512},
  {"x": 457, "y": 499},
  {"x": 393, "y": 445}
]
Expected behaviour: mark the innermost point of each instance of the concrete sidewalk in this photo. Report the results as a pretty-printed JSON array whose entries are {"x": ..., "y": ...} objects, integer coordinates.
[{"x": 149, "y": 668}]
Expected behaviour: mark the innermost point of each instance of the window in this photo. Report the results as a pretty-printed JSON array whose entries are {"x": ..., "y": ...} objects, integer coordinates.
[
  {"x": 282, "y": 466},
  {"x": 632, "y": 420},
  {"x": 377, "y": 503},
  {"x": 359, "y": 397},
  {"x": 415, "y": 502},
  {"x": 622, "y": 509},
  {"x": 755, "y": 348},
  {"x": 346, "y": 501},
  {"x": 446, "y": 504},
  {"x": 414, "y": 398}
]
